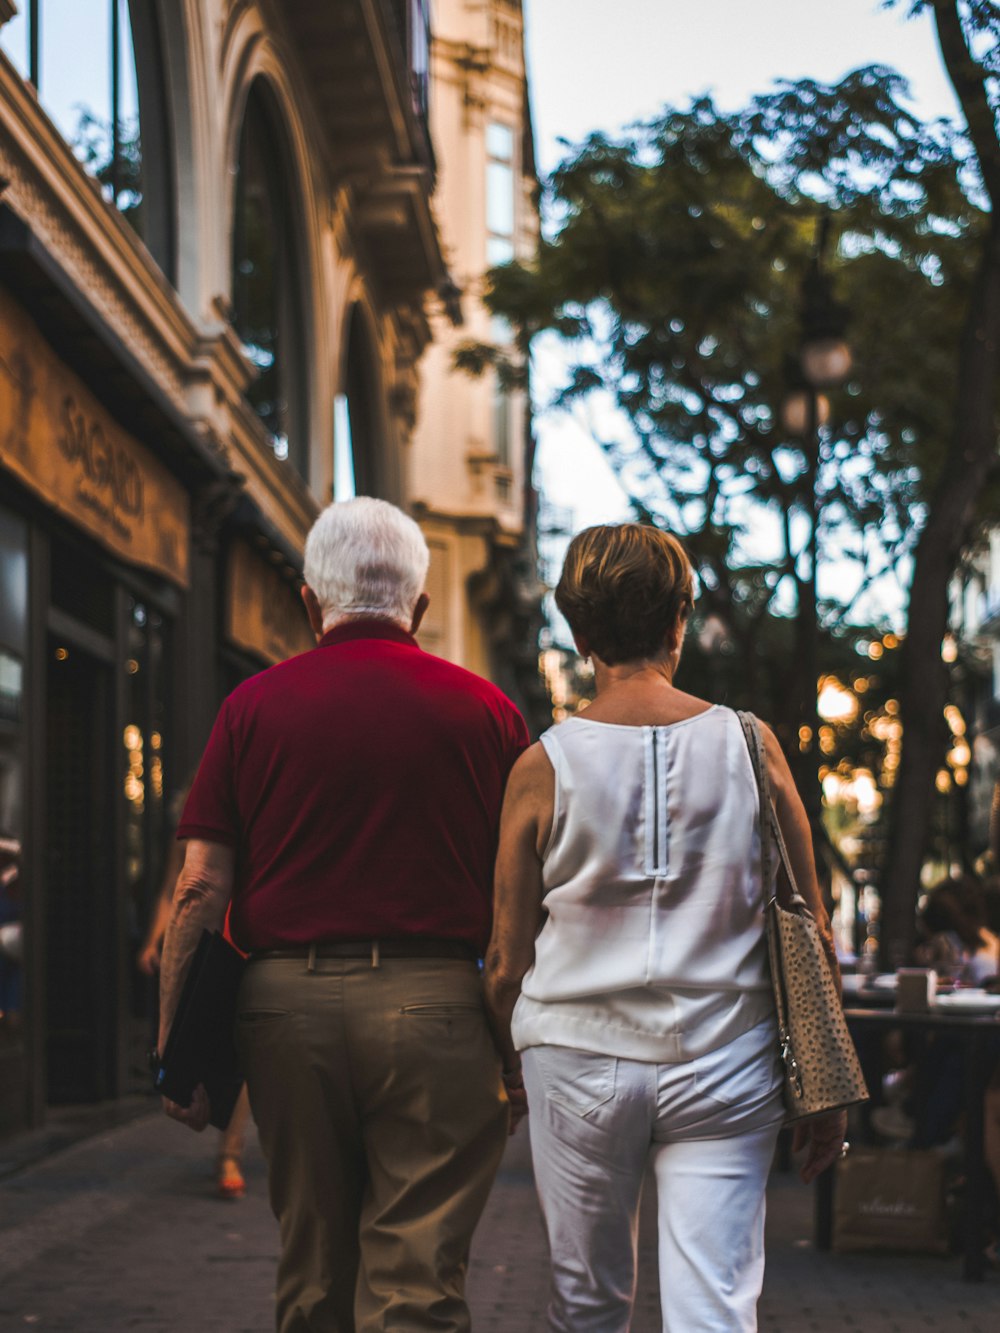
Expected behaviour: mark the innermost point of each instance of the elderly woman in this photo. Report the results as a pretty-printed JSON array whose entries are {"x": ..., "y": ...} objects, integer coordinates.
[{"x": 628, "y": 961}]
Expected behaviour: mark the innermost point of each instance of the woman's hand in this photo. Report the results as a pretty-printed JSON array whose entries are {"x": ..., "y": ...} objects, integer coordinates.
[
  {"x": 513, "y": 1086},
  {"x": 823, "y": 1136}
]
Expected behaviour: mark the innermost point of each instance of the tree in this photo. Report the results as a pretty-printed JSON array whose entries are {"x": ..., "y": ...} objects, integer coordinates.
[
  {"x": 673, "y": 276},
  {"x": 969, "y": 36}
]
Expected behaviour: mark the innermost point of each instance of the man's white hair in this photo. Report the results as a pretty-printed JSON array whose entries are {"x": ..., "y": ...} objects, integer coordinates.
[{"x": 365, "y": 557}]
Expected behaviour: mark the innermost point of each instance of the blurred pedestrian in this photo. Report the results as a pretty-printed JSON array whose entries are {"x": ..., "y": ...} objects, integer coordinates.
[
  {"x": 348, "y": 803},
  {"x": 628, "y": 962},
  {"x": 11, "y": 937}
]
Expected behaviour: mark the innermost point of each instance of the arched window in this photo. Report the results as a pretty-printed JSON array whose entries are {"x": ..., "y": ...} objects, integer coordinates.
[
  {"x": 357, "y": 433},
  {"x": 267, "y": 288},
  {"x": 98, "y": 71}
]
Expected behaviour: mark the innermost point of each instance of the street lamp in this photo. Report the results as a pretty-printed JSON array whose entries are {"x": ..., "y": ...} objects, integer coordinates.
[{"x": 821, "y": 361}]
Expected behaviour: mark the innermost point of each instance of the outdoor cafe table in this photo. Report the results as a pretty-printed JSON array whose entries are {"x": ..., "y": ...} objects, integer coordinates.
[{"x": 972, "y": 1031}]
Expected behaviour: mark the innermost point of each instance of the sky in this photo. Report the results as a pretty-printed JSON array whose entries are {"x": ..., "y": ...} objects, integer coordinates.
[{"x": 600, "y": 64}]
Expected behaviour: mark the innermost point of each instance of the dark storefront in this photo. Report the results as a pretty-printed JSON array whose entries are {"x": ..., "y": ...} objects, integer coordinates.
[
  {"x": 95, "y": 534},
  {"x": 129, "y": 605}
]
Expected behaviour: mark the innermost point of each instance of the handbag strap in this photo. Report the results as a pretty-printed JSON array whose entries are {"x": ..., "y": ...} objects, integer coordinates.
[{"x": 770, "y": 828}]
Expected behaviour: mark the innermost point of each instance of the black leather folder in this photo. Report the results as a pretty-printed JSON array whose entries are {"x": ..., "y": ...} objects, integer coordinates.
[{"x": 201, "y": 1047}]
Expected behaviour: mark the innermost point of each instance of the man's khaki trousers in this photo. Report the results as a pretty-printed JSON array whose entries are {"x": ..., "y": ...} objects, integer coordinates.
[{"x": 378, "y": 1098}]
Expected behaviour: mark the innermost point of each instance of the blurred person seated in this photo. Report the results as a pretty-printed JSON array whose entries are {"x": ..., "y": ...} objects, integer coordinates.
[
  {"x": 956, "y": 941},
  {"x": 958, "y": 922}
]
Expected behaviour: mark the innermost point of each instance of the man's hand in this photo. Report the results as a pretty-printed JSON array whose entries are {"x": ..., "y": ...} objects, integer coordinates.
[
  {"x": 517, "y": 1098},
  {"x": 148, "y": 960},
  {"x": 824, "y": 1138},
  {"x": 194, "y": 1116}
]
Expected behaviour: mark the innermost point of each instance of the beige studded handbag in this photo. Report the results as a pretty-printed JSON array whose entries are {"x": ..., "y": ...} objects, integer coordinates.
[{"x": 821, "y": 1067}]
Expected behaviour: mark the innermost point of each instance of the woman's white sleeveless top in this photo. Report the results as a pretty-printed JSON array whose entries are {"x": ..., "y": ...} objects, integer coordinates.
[{"x": 653, "y": 945}]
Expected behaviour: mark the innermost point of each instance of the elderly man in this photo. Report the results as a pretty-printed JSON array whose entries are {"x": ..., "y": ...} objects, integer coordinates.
[{"x": 348, "y": 804}]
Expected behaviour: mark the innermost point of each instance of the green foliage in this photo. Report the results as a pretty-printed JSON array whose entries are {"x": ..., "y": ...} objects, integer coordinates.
[
  {"x": 92, "y": 143},
  {"x": 673, "y": 272}
]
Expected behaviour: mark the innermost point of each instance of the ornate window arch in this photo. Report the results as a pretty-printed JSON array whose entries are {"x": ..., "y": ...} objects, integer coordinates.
[{"x": 269, "y": 306}]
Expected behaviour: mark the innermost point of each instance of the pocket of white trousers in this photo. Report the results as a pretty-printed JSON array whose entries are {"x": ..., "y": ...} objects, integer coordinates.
[
  {"x": 744, "y": 1072},
  {"x": 581, "y": 1081}
]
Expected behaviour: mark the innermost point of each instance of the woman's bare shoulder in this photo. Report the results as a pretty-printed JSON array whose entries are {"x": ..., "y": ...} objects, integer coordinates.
[
  {"x": 532, "y": 768},
  {"x": 777, "y": 763}
]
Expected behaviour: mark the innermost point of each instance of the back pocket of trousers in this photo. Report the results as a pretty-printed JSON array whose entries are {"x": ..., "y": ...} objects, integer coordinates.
[{"x": 580, "y": 1081}]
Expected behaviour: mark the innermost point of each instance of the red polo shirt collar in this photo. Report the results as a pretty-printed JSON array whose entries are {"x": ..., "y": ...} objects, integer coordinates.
[{"x": 367, "y": 629}]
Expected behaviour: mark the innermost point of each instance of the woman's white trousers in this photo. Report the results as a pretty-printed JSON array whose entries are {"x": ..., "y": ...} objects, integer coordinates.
[{"x": 708, "y": 1128}]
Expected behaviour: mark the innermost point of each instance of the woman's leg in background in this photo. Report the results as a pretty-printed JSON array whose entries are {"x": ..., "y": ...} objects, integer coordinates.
[{"x": 232, "y": 1141}]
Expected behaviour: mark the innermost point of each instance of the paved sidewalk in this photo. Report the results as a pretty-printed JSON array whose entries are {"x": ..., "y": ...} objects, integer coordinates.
[{"x": 122, "y": 1232}]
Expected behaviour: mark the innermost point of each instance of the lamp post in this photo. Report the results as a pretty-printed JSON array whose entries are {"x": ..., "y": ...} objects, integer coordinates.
[{"x": 822, "y": 361}]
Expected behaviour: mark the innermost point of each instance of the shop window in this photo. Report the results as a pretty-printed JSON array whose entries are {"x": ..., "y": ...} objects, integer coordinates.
[
  {"x": 267, "y": 290},
  {"x": 98, "y": 71},
  {"x": 147, "y": 780}
]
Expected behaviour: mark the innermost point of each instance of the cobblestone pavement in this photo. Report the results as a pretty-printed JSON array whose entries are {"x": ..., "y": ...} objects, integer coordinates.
[{"x": 122, "y": 1232}]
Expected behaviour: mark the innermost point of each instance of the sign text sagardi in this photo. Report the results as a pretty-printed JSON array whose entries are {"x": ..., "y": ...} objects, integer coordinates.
[{"x": 66, "y": 447}]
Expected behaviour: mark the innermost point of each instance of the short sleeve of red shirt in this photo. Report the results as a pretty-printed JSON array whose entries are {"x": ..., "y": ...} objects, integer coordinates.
[{"x": 210, "y": 811}]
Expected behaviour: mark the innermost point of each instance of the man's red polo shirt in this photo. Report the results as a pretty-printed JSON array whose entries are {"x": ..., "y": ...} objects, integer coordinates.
[{"x": 360, "y": 784}]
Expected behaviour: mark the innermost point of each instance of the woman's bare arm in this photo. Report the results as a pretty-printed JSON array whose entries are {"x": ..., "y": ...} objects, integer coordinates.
[
  {"x": 798, "y": 839},
  {"x": 517, "y": 907}
]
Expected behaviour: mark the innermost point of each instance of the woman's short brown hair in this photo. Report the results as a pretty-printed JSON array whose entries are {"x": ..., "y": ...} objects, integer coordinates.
[{"x": 623, "y": 588}]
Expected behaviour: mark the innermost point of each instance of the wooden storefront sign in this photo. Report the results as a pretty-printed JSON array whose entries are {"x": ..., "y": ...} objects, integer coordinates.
[
  {"x": 66, "y": 447},
  {"x": 264, "y": 616}
]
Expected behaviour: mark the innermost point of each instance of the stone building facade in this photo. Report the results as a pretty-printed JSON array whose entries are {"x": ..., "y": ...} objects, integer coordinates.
[
  {"x": 220, "y": 266},
  {"x": 472, "y": 451}
]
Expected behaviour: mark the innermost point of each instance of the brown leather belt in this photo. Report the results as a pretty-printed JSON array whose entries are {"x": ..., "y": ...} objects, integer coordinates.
[{"x": 375, "y": 950}]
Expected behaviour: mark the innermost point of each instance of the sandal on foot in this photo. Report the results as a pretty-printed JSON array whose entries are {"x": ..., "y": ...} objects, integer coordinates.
[{"x": 229, "y": 1179}]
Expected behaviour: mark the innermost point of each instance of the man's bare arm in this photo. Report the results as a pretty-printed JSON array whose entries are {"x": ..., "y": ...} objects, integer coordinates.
[{"x": 203, "y": 891}]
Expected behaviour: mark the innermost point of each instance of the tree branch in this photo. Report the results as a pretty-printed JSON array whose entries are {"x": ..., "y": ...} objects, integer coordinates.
[{"x": 968, "y": 79}]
